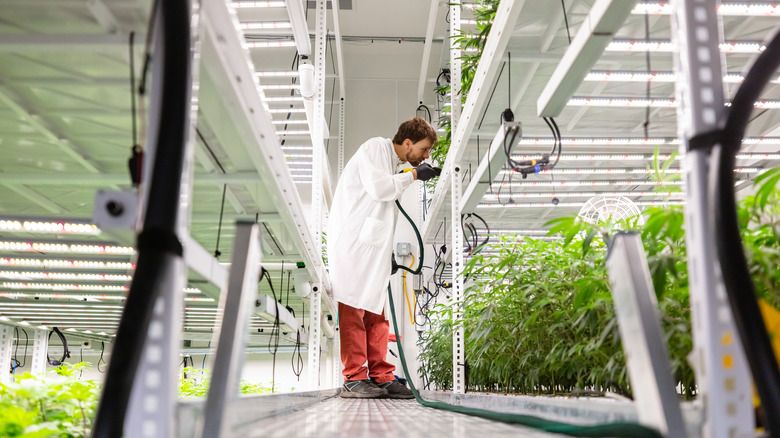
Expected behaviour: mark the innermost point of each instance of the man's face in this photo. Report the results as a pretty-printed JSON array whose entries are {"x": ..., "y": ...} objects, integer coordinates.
[{"x": 417, "y": 152}]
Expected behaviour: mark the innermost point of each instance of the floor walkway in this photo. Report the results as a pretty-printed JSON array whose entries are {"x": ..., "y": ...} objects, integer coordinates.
[{"x": 382, "y": 418}]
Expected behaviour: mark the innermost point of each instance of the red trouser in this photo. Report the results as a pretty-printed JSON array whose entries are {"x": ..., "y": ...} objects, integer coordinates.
[{"x": 363, "y": 338}]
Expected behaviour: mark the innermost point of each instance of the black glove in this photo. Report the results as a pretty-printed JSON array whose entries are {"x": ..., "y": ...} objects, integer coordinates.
[{"x": 425, "y": 171}]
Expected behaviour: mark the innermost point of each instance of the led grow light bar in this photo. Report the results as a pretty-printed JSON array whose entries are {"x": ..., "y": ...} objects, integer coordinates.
[
  {"x": 44, "y": 275},
  {"x": 65, "y": 248},
  {"x": 293, "y": 132},
  {"x": 251, "y": 25},
  {"x": 637, "y": 157},
  {"x": 741, "y": 9},
  {"x": 627, "y": 102},
  {"x": 258, "y": 4},
  {"x": 617, "y": 141},
  {"x": 63, "y": 287},
  {"x": 572, "y": 204},
  {"x": 586, "y": 183},
  {"x": 270, "y": 44},
  {"x": 280, "y": 87},
  {"x": 277, "y": 74},
  {"x": 667, "y": 46},
  {"x": 548, "y": 195},
  {"x": 33, "y": 226},
  {"x": 66, "y": 264},
  {"x": 632, "y": 76}
]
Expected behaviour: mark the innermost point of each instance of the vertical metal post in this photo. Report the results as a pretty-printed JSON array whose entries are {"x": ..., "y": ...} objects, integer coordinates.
[
  {"x": 455, "y": 66},
  {"x": 315, "y": 303},
  {"x": 40, "y": 345},
  {"x": 236, "y": 304},
  {"x": 315, "y": 335},
  {"x": 718, "y": 358},
  {"x": 6, "y": 345},
  {"x": 152, "y": 408},
  {"x": 341, "y": 137},
  {"x": 336, "y": 357},
  {"x": 636, "y": 306},
  {"x": 456, "y": 247}
]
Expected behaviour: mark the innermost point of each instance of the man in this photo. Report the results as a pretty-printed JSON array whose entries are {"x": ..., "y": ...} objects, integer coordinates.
[{"x": 360, "y": 239}]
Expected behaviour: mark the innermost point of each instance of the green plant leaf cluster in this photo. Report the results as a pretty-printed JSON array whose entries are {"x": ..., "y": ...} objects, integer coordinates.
[
  {"x": 197, "y": 381},
  {"x": 539, "y": 316},
  {"x": 33, "y": 408}
]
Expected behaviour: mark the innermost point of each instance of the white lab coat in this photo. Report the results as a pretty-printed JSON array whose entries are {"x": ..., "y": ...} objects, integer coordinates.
[{"x": 362, "y": 223}]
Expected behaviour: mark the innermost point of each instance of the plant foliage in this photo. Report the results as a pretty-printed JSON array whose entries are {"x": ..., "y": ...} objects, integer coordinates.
[{"x": 539, "y": 316}]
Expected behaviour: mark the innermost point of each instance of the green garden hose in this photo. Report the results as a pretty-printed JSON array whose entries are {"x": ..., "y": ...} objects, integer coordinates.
[{"x": 620, "y": 429}]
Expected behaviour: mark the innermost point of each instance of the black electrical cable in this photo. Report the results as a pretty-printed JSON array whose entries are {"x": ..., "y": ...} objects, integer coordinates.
[
  {"x": 430, "y": 118},
  {"x": 275, "y": 330},
  {"x": 566, "y": 20},
  {"x": 332, "y": 93},
  {"x": 297, "y": 357},
  {"x": 102, "y": 350},
  {"x": 217, "y": 252},
  {"x": 731, "y": 254},
  {"x": 159, "y": 250}
]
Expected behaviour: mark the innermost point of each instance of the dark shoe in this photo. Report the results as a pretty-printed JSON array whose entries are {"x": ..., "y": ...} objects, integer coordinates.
[
  {"x": 396, "y": 389},
  {"x": 362, "y": 389}
]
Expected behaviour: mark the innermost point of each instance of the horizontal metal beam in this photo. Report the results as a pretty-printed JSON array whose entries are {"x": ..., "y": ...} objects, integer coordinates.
[
  {"x": 71, "y": 42},
  {"x": 595, "y": 33},
  {"x": 75, "y": 179},
  {"x": 492, "y": 56},
  {"x": 488, "y": 168}
]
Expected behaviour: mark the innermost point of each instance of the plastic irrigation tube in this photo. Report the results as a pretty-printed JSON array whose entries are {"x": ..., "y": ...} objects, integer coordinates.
[
  {"x": 417, "y": 270},
  {"x": 627, "y": 430}
]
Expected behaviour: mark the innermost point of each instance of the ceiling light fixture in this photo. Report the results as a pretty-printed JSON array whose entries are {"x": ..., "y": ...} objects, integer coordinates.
[
  {"x": 249, "y": 25},
  {"x": 668, "y": 46},
  {"x": 257, "y": 4},
  {"x": 66, "y": 264},
  {"x": 269, "y": 44},
  {"x": 742, "y": 9},
  {"x": 65, "y": 248}
]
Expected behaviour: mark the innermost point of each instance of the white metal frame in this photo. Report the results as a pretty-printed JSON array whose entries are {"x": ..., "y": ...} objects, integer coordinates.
[
  {"x": 719, "y": 362},
  {"x": 6, "y": 348},
  {"x": 492, "y": 56}
]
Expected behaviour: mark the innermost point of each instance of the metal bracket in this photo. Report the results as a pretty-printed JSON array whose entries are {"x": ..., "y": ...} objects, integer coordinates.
[
  {"x": 237, "y": 303},
  {"x": 718, "y": 358},
  {"x": 458, "y": 332},
  {"x": 638, "y": 321},
  {"x": 6, "y": 344},
  {"x": 315, "y": 337},
  {"x": 40, "y": 345}
]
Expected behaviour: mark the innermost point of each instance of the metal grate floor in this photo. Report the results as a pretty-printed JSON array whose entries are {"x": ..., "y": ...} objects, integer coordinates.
[{"x": 382, "y": 418}]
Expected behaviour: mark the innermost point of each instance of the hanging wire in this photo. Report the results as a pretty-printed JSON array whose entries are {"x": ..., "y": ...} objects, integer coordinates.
[
  {"x": 566, "y": 20},
  {"x": 217, "y": 253}
]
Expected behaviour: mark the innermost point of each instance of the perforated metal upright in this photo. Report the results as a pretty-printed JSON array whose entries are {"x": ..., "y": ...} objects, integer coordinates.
[
  {"x": 718, "y": 358},
  {"x": 6, "y": 345},
  {"x": 315, "y": 303},
  {"x": 152, "y": 408},
  {"x": 458, "y": 345},
  {"x": 40, "y": 345},
  {"x": 455, "y": 65},
  {"x": 341, "y": 137}
]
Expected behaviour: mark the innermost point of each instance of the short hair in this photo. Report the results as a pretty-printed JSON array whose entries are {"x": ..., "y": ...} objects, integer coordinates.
[{"x": 415, "y": 130}]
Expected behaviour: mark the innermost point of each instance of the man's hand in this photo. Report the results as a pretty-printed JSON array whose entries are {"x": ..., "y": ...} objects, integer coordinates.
[{"x": 425, "y": 171}]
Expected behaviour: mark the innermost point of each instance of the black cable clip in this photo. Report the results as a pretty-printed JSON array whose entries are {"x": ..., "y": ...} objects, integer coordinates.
[
  {"x": 136, "y": 164},
  {"x": 705, "y": 140}
]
